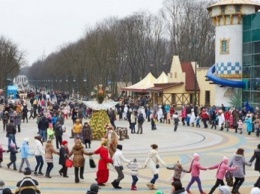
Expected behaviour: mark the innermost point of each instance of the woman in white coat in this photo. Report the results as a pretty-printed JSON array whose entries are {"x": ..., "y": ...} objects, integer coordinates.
[
  {"x": 38, "y": 152},
  {"x": 154, "y": 159},
  {"x": 221, "y": 119}
]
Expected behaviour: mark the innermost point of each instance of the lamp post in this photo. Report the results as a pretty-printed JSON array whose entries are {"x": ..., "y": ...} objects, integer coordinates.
[
  {"x": 194, "y": 45},
  {"x": 195, "y": 85}
]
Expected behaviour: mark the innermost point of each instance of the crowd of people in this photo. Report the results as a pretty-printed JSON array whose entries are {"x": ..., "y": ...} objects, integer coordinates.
[{"x": 51, "y": 117}]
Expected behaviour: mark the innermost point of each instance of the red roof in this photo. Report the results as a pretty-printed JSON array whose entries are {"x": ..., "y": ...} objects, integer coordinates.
[
  {"x": 190, "y": 76},
  {"x": 161, "y": 87}
]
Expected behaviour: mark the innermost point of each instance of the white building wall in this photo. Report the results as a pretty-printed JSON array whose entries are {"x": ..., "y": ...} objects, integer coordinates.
[
  {"x": 220, "y": 98},
  {"x": 234, "y": 34}
]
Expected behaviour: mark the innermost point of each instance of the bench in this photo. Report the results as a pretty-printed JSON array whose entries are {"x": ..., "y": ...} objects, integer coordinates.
[{"x": 122, "y": 132}]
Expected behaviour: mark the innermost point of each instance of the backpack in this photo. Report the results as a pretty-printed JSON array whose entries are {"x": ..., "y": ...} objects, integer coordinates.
[
  {"x": 229, "y": 179},
  {"x": 140, "y": 118}
]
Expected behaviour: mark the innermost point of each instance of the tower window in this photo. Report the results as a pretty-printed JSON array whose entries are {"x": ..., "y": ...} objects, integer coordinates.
[
  {"x": 224, "y": 46},
  {"x": 223, "y": 9},
  {"x": 238, "y": 8}
]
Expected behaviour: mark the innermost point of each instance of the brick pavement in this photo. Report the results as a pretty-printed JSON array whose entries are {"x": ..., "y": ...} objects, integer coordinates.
[{"x": 212, "y": 145}]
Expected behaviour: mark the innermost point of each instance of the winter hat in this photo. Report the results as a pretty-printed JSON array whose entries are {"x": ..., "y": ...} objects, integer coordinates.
[
  {"x": 225, "y": 159},
  {"x": 64, "y": 142},
  {"x": 27, "y": 171},
  {"x": 177, "y": 185},
  {"x": 2, "y": 183},
  {"x": 26, "y": 140},
  {"x": 119, "y": 146},
  {"x": 255, "y": 190},
  {"x": 94, "y": 187},
  {"x": 7, "y": 191},
  {"x": 38, "y": 137},
  {"x": 225, "y": 189},
  {"x": 196, "y": 156},
  {"x": 159, "y": 192},
  {"x": 12, "y": 145}
]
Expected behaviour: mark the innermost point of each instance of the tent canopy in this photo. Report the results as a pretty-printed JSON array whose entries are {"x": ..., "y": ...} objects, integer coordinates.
[
  {"x": 162, "y": 79},
  {"x": 142, "y": 85}
]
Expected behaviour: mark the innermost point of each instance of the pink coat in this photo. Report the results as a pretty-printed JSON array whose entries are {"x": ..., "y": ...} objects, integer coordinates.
[
  {"x": 196, "y": 167},
  {"x": 222, "y": 170}
]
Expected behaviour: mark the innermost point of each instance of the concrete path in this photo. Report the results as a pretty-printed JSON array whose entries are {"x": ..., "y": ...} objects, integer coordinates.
[{"x": 211, "y": 144}]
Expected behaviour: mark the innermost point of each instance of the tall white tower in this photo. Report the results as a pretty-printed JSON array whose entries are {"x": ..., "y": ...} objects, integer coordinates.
[{"x": 227, "y": 16}]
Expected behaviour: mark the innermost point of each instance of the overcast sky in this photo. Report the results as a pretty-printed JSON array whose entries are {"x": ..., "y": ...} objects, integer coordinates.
[{"x": 40, "y": 27}]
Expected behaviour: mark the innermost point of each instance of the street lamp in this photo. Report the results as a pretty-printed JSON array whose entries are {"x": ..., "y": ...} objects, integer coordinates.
[{"x": 194, "y": 45}]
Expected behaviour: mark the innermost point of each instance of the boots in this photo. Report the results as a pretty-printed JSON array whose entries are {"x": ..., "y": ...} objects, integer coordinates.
[
  {"x": 133, "y": 187},
  {"x": 153, "y": 188},
  {"x": 149, "y": 185},
  {"x": 47, "y": 175},
  {"x": 116, "y": 185},
  {"x": 257, "y": 184}
]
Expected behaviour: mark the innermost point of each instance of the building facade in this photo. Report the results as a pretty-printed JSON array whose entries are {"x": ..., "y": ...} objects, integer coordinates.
[{"x": 251, "y": 59}]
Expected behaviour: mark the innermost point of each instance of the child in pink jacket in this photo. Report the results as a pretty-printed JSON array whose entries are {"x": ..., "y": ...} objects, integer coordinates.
[
  {"x": 222, "y": 169},
  {"x": 195, "y": 168}
]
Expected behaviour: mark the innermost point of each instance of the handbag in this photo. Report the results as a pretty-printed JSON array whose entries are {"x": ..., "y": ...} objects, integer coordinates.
[
  {"x": 229, "y": 179},
  {"x": 92, "y": 163},
  {"x": 69, "y": 163}
]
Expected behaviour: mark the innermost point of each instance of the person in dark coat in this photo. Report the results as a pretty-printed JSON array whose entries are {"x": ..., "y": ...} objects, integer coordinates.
[
  {"x": 13, "y": 152},
  {"x": 58, "y": 132},
  {"x": 86, "y": 134},
  {"x": 43, "y": 126},
  {"x": 256, "y": 156},
  {"x": 64, "y": 155},
  {"x": 27, "y": 185},
  {"x": 24, "y": 113}
]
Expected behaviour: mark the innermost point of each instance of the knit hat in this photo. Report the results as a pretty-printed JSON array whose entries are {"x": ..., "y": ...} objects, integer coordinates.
[
  {"x": 224, "y": 189},
  {"x": 12, "y": 145},
  {"x": 159, "y": 192},
  {"x": 119, "y": 146},
  {"x": 27, "y": 171},
  {"x": 64, "y": 142},
  {"x": 196, "y": 156},
  {"x": 255, "y": 190},
  {"x": 2, "y": 183},
  {"x": 7, "y": 191},
  {"x": 225, "y": 159},
  {"x": 94, "y": 187},
  {"x": 177, "y": 185}
]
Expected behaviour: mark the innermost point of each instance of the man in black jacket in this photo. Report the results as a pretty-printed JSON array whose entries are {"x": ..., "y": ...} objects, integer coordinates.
[
  {"x": 27, "y": 185},
  {"x": 10, "y": 133},
  {"x": 58, "y": 131},
  {"x": 43, "y": 126}
]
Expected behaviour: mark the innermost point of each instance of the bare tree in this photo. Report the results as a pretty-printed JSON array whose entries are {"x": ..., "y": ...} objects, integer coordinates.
[{"x": 11, "y": 60}]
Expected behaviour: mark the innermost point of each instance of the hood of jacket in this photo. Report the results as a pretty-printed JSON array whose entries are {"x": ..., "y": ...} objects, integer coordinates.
[
  {"x": 238, "y": 157},
  {"x": 225, "y": 189},
  {"x": 48, "y": 145},
  {"x": 153, "y": 153},
  {"x": 77, "y": 147},
  {"x": 255, "y": 190}
]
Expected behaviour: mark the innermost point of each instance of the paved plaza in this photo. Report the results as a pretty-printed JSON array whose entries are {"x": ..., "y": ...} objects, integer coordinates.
[{"x": 211, "y": 144}]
